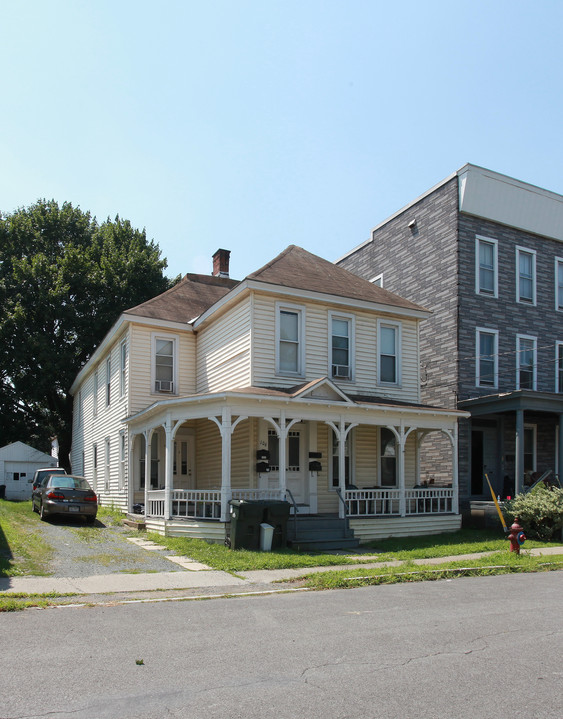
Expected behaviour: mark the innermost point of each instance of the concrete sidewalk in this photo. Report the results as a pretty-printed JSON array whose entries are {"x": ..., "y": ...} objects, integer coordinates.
[{"x": 202, "y": 579}]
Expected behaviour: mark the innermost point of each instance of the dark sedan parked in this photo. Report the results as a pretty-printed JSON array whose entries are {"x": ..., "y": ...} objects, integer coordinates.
[{"x": 65, "y": 494}]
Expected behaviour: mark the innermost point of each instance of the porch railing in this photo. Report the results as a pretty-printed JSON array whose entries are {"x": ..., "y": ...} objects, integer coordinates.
[
  {"x": 201, "y": 503},
  {"x": 438, "y": 500},
  {"x": 386, "y": 502},
  {"x": 372, "y": 502}
]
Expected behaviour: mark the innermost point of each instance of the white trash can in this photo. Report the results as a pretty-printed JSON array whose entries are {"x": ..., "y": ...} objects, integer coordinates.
[{"x": 266, "y": 536}]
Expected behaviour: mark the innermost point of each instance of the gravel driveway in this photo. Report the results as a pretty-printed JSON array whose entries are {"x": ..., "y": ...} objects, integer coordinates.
[{"x": 83, "y": 551}]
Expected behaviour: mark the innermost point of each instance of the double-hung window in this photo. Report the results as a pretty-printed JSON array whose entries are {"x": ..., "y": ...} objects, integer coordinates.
[
  {"x": 525, "y": 276},
  {"x": 289, "y": 333},
  {"x": 387, "y": 458},
  {"x": 108, "y": 381},
  {"x": 486, "y": 365},
  {"x": 388, "y": 352},
  {"x": 122, "y": 368},
  {"x": 559, "y": 367},
  {"x": 559, "y": 284},
  {"x": 486, "y": 266},
  {"x": 341, "y": 346},
  {"x": 526, "y": 351},
  {"x": 164, "y": 365}
]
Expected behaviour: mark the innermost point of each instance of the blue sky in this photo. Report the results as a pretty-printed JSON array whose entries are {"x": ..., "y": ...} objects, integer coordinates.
[{"x": 255, "y": 124}]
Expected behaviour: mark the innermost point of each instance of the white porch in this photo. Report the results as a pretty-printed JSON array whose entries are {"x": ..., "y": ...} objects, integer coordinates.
[{"x": 324, "y": 456}]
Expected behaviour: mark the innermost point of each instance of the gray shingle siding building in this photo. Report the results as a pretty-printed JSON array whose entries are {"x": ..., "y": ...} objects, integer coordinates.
[{"x": 484, "y": 252}]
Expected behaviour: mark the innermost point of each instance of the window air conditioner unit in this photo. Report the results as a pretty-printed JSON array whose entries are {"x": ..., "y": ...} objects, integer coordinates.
[
  {"x": 164, "y": 385},
  {"x": 340, "y": 370}
]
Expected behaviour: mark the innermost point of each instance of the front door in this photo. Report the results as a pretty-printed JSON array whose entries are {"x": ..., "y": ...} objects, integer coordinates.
[
  {"x": 295, "y": 474},
  {"x": 184, "y": 462}
]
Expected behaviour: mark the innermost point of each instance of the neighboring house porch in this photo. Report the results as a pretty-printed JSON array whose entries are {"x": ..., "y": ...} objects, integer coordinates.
[{"x": 325, "y": 452}]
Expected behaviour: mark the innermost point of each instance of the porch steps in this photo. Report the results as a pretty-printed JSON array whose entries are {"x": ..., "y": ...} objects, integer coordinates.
[{"x": 319, "y": 533}]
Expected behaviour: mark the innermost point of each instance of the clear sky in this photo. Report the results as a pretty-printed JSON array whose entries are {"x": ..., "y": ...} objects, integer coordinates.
[{"x": 255, "y": 124}]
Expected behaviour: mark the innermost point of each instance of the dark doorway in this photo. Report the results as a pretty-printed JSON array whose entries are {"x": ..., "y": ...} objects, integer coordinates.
[{"x": 476, "y": 462}]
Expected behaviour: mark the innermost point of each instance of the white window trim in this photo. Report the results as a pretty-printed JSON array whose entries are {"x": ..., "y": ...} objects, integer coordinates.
[
  {"x": 558, "y": 346},
  {"x": 300, "y": 310},
  {"x": 478, "y": 332},
  {"x": 351, "y": 344},
  {"x": 123, "y": 357},
  {"x": 107, "y": 386},
  {"x": 95, "y": 394},
  {"x": 558, "y": 307},
  {"x": 379, "y": 458},
  {"x": 107, "y": 463},
  {"x": 535, "y": 360},
  {"x": 175, "y": 339},
  {"x": 525, "y": 250},
  {"x": 377, "y": 280},
  {"x": 398, "y": 349},
  {"x": 122, "y": 458},
  {"x": 491, "y": 241}
]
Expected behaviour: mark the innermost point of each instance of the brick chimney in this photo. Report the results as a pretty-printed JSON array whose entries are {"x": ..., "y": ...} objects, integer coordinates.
[{"x": 221, "y": 263}]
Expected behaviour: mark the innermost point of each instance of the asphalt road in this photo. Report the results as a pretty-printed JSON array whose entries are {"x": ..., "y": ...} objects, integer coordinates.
[{"x": 473, "y": 647}]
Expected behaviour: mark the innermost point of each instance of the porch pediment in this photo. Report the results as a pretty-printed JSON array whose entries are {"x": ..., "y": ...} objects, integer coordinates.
[{"x": 321, "y": 389}]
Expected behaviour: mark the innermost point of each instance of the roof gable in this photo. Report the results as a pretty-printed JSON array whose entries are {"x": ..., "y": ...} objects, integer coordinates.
[
  {"x": 321, "y": 389},
  {"x": 296, "y": 268}
]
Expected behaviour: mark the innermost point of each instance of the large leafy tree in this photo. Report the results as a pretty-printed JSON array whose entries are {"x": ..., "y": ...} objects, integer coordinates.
[{"x": 64, "y": 280}]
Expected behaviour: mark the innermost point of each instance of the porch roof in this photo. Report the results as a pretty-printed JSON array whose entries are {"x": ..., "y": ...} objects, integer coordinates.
[
  {"x": 522, "y": 399},
  {"x": 300, "y": 396}
]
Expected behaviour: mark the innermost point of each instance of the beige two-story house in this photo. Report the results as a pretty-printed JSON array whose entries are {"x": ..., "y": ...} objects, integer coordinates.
[{"x": 299, "y": 383}]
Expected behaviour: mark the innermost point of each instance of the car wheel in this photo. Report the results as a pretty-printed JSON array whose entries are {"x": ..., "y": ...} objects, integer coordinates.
[{"x": 42, "y": 513}]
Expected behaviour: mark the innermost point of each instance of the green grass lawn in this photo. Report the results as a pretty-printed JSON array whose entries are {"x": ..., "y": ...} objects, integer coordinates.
[
  {"x": 22, "y": 549},
  {"x": 218, "y": 556}
]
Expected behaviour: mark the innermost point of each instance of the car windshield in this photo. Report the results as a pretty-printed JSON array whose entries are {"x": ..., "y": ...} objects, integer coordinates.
[{"x": 63, "y": 482}]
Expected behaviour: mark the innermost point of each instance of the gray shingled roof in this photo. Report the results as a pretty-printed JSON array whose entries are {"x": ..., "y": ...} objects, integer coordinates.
[{"x": 295, "y": 267}]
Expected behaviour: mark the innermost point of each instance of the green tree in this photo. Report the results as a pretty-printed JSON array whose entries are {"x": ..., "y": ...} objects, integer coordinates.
[{"x": 64, "y": 280}]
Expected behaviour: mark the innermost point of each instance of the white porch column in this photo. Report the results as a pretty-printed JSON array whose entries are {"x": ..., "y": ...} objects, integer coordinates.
[
  {"x": 226, "y": 428},
  {"x": 455, "y": 470},
  {"x": 148, "y": 437},
  {"x": 519, "y": 464},
  {"x": 168, "y": 467},
  {"x": 342, "y": 431},
  {"x": 401, "y": 471},
  {"x": 282, "y": 434},
  {"x": 130, "y": 490}
]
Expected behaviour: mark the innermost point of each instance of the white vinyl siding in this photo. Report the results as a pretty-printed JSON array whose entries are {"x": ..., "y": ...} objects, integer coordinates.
[
  {"x": 223, "y": 351},
  {"x": 317, "y": 341}
]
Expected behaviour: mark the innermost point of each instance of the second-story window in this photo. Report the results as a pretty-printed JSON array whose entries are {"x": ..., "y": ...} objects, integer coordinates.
[
  {"x": 559, "y": 284},
  {"x": 289, "y": 331},
  {"x": 164, "y": 365},
  {"x": 388, "y": 354},
  {"x": 486, "y": 262},
  {"x": 487, "y": 358},
  {"x": 525, "y": 276},
  {"x": 526, "y": 348},
  {"x": 341, "y": 347}
]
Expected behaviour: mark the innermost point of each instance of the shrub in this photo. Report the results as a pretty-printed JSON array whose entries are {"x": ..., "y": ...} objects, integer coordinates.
[{"x": 540, "y": 512}]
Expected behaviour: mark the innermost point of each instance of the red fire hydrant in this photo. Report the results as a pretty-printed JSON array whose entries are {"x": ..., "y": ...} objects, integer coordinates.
[{"x": 516, "y": 536}]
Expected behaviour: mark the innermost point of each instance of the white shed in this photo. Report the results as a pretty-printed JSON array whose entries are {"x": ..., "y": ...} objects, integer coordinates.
[{"x": 18, "y": 463}]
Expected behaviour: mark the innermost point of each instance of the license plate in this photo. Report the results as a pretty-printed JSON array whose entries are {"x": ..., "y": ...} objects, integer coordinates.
[{"x": 73, "y": 508}]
